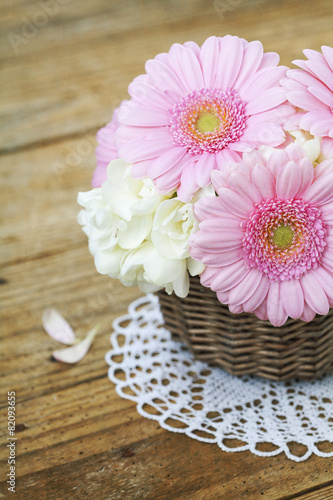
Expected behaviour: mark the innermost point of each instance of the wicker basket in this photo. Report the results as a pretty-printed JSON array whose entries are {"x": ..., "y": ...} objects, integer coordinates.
[{"x": 243, "y": 344}]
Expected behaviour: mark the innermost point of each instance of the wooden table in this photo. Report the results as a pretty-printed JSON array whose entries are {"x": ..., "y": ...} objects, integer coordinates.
[{"x": 65, "y": 65}]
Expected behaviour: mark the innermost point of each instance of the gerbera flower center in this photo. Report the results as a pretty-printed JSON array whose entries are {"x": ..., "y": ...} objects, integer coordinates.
[
  {"x": 207, "y": 120},
  {"x": 284, "y": 238}
]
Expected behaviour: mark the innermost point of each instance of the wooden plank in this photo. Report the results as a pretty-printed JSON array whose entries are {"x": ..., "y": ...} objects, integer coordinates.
[
  {"x": 76, "y": 437},
  {"x": 39, "y": 189},
  {"x": 73, "y": 88},
  {"x": 45, "y": 24},
  {"x": 97, "y": 443},
  {"x": 325, "y": 493}
]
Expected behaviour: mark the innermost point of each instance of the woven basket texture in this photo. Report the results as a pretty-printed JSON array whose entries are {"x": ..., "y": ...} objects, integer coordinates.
[{"x": 243, "y": 344}]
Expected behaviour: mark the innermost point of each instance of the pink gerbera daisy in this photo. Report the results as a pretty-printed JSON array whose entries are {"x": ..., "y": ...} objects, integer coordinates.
[
  {"x": 311, "y": 89},
  {"x": 107, "y": 149},
  {"x": 267, "y": 238},
  {"x": 197, "y": 107}
]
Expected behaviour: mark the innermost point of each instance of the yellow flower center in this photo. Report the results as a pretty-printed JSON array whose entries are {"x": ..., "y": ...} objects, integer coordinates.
[
  {"x": 207, "y": 122},
  {"x": 283, "y": 236}
]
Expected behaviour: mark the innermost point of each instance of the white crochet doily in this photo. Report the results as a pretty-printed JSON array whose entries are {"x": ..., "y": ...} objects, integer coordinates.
[{"x": 208, "y": 404}]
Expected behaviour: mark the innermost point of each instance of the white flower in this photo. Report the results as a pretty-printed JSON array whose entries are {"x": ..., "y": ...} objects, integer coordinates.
[
  {"x": 152, "y": 272},
  {"x": 118, "y": 216},
  {"x": 310, "y": 144},
  {"x": 173, "y": 224},
  {"x": 139, "y": 236}
]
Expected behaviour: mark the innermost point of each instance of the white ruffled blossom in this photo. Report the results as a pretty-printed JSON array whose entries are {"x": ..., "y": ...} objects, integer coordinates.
[
  {"x": 137, "y": 235},
  {"x": 310, "y": 144}
]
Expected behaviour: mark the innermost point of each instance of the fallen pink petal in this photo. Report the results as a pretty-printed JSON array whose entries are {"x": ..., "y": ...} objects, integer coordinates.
[
  {"x": 75, "y": 353},
  {"x": 57, "y": 327}
]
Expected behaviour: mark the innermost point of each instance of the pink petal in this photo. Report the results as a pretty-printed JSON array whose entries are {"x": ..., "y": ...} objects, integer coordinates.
[
  {"x": 301, "y": 63},
  {"x": 227, "y": 155},
  {"x": 221, "y": 224},
  {"x": 144, "y": 93},
  {"x": 243, "y": 186},
  {"x": 246, "y": 288},
  {"x": 223, "y": 297},
  {"x": 165, "y": 162},
  {"x": 276, "y": 161},
  {"x": 185, "y": 63},
  {"x": 295, "y": 152},
  {"x": 241, "y": 146},
  {"x": 323, "y": 168},
  {"x": 308, "y": 313},
  {"x": 327, "y": 259},
  {"x": 252, "y": 56},
  {"x": 307, "y": 173},
  {"x": 209, "y": 207},
  {"x": 139, "y": 169},
  {"x": 288, "y": 181},
  {"x": 140, "y": 150},
  {"x": 275, "y": 310},
  {"x": 163, "y": 77},
  {"x": 261, "y": 81},
  {"x": 304, "y": 100},
  {"x": 327, "y": 147},
  {"x": 267, "y": 100},
  {"x": 269, "y": 59},
  {"x": 75, "y": 353},
  {"x": 314, "y": 294},
  {"x": 263, "y": 180},
  {"x": 253, "y": 158},
  {"x": 321, "y": 191},
  {"x": 229, "y": 63},
  {"x": 208, "y": 57},
  {"x": 236, "y": 309},
  {"x": 323, "y": 73},
  {"x": 302, "y": 77},
  {"x": 258, "y": 296},
  {"x": 323, "y": 94},
  {"x": 325, "y": 278},
  {"x": 322, "y": 125},
  {"x": 262, "y": 134},
  {"x": 99, "y": 176},
  {"x": 292, "y": 298},
  {"x": 57, "y": 327},
  {"x": 328, "y": 54},
  {"x": 194, "y": 47},
  {"x": 170, "y": 180},
  {"x": 208, "y": 274},
  {"x": 188, "y": 184},
  {"x": 234, "y": 202},
  {"x": 229, "y": 276},
  {"x": 140, "y": 116},
  {"x": 227, "y": 240},
  {"x": 313, "y": 56},
  {"x": 327, "y": 213},
  {"x": 261, "y": 311},
  {"x": 203, "y": 168},
  {"x": 222, "y": 258}
]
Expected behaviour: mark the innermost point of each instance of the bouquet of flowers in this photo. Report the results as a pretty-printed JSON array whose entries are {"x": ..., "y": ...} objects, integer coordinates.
[{"x": 220, "y": 164}]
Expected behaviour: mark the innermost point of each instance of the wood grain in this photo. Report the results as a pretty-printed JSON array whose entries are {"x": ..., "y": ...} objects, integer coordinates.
[
  {"x": 69, "y": 83},
  {"x": 76, "y": 437}
]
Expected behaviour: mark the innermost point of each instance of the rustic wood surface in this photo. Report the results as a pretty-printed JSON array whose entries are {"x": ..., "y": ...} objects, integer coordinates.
[{"x": 65, "y": 65}]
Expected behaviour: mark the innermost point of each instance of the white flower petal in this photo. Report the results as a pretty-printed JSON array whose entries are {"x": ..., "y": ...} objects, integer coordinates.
[
  {"x": 75, "y": 353},
  {"x": 57, "y": 327},
  {"x": 137, "y": 230},
  {"x": 194, "y": 266}
]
